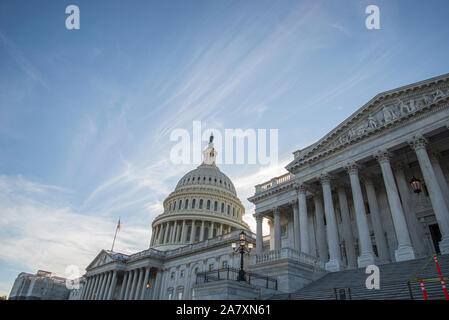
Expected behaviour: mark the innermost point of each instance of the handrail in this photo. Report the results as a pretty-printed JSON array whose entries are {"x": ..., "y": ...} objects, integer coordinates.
[{"x": 232, "y": 273}]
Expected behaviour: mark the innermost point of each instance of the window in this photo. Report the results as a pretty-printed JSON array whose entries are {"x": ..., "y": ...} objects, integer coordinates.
[
  {"x": 174, "y": 206},
  {"x": 169, "y": 207},
  {"x": 180, "y": 205},
  {"x": 284, "y": 231},
  {"x": 186, "y": 206},
  {"x": 193, "y": 203},
  {"x": 201, "y": 203},
  {"x": 222, "y": 207},
  {"x": 181, "y": 274},
  {"x": 215, "y": 205},
  {"x": 193, "y": 179},
  {"x": 172, "y": 275},
  {"x": 211, "y": 267},
  {"x": 180, "y": 294},
  {"x": 197, "y": 234},
  {"x": 208, "y": 204},
  {"x": 189, "y": 232},
  {"x": 229, "y": 209},
  {"x": 170, "y": 293},
  {"x": 206, "y": 233},
  {"x": 224, "y": 264},
  {"x": 233, "y": 211}
]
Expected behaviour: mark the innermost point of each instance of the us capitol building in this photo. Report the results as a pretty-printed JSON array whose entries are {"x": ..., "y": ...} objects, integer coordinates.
[{"x": 374, "y": 190}]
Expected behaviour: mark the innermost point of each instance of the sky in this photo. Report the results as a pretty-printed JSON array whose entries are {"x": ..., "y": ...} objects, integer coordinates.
[{"x": 86, "y": 115}]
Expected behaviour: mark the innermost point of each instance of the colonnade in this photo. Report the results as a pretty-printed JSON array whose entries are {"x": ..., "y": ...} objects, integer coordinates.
[
  {"x": 177, "y": 231},
  {"x": 396, "y": 189},
  {"x": 135, "y": 285}
]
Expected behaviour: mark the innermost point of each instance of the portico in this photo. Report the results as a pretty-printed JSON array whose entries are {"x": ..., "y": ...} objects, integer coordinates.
[{"x": 360, "y": 174}]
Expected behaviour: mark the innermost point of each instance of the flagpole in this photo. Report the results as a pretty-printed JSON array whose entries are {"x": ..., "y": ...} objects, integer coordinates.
[{"x": 115, "y": 235}]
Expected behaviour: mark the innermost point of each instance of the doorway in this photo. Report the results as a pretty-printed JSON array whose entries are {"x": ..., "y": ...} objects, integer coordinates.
[{"x": 436, "y": 236}]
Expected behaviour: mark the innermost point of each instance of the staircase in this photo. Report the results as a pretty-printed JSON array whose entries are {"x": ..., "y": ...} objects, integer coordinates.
[{"x": 393, "y": 282}]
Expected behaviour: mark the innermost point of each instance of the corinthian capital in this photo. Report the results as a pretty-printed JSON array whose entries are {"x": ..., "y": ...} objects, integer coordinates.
[
  {"x": 352, "y": 168},
  {"x": 300, "y": 188},
  {"x": 382, "y": 156},
  {"x": 418, "y": 142},
  {"x": 325, "y": 178}
]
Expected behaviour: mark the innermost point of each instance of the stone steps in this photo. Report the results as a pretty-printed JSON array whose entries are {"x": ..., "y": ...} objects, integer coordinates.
[{"x": 393, "y": 282}]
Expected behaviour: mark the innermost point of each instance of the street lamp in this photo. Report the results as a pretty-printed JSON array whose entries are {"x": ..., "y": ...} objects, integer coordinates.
[
  {"x": 416, "y": 185},
  {"x": 242, "y": 248}
]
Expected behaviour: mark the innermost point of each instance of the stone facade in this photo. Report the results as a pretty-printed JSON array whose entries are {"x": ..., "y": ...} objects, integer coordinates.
[
  {"x": 39, "y": 286},
  {"x": 347, "y": 199}
]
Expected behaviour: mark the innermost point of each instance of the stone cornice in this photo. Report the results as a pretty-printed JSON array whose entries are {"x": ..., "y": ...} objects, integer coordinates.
[{"x": 394, "y": 110}]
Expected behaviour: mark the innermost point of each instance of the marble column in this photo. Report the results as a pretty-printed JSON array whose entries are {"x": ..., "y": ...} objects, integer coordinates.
[
  {"x": 104, "y": 287},
  {"x": 435, "y": 160},
  {"x": 167, "y": 231},
  {"x": 381, "y": 242},
  {"x": 134, "y": 283},
  {"x": 112, "y": 287},
  {"x": 161, "y": 233},
  {"x": 211, "y": 230},
  {"x": 277, "y": 229},
  {"x": 144, "y": 284},
  {"x": 347, "y": 229},
  {"x": 296, "y": 233},
  {"x": 87, "y": 287},
  {"x": 183, "y": 232},
  {"x": 416, "y": 229},
  {"x": 334, "y": 263},
  {"x": 321, "y": 230},
  {"x": 139, "y": 285},
  {"x": 436, "y": 195},
  {"x": 100, "y": 287},
  {"x": 202, "y": 231},
  {"x": 192, "y": 232},
  {"x": 366, "y": 257},
  {"x": 221, "y": 229},
  {"x": 303, "y": 223},
  {"x": 94, "y": 288},
  {"x": 312, "y": 239},
  {"x": 128, "y": 284},
  {"x": 152, "y": 236},
  {"x": 123, "y": 288},
  {"x": 405, "y": 250},
  {"x": 174, "y": 231},
  {"x": 157, "y": 284},
  {"x": 259, "y": 235}
]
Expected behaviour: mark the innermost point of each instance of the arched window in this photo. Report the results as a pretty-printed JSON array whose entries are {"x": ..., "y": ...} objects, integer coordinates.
[
  {"x": 215, "y": 205},
  {"x": 186, "y": 205},
  {"x": 233, "y": 211},
  {"x": 208, "y": 205},
  {"x": 229, "y": 209},
  {"x": 222, "y": 207},
  {"x": 180, "y": 205},
  {"x": 193, "y": 203},
  {"x": 201, "y": 203},
  {"x": 174, "y": 206}
]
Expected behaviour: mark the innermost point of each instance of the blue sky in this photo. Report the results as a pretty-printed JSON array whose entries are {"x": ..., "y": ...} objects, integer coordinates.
[{"x": 86, "y": 115}]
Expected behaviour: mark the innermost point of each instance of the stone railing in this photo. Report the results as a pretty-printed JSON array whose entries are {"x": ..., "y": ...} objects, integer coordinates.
[
  {"x": 286, "y": 253},
  {"x": 274, "y": 182}
]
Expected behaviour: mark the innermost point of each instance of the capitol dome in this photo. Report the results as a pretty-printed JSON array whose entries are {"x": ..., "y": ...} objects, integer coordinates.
[{"x": 203, "y": 205}]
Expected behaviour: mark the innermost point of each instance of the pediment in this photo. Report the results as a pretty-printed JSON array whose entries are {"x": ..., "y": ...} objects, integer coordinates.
[
  {"x": 101, "y": 259},
  {"x": 380, "y": 113}
]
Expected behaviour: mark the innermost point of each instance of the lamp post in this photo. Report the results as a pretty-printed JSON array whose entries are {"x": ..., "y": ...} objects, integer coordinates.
[
  {"x": 242, "y": 248},
  {"x": 416, "y": 185}
]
